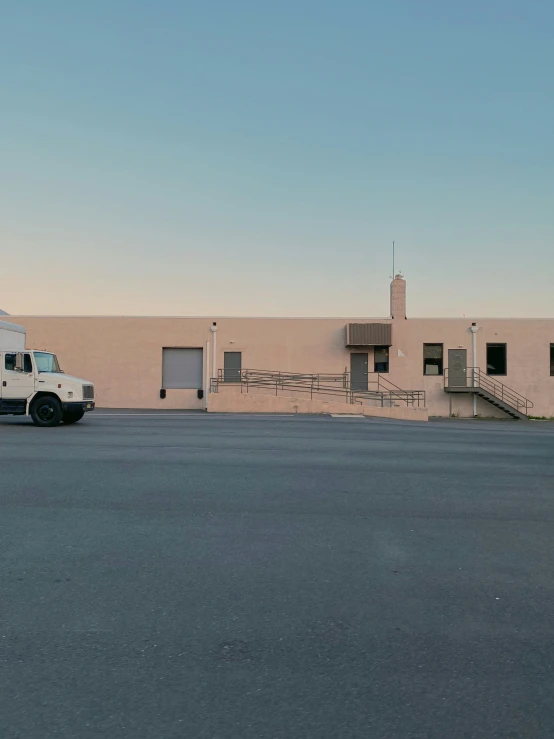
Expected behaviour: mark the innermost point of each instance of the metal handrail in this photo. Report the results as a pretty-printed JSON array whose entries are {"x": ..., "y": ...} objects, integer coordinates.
[
  {"x": 322, "y": 383},
  {"x": 475, "y": 377},
  {"x": 344, "y": 377}
]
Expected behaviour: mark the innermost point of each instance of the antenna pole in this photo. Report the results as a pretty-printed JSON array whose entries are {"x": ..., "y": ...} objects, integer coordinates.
[{"x": 393, "y": 260}]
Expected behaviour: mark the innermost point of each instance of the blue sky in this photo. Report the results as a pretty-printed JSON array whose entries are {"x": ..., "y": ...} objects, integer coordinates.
[{"x": 258, "y": 158}]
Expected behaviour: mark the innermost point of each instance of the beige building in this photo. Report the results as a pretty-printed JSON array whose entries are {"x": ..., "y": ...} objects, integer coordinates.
[{"x": 157, "y": 362}]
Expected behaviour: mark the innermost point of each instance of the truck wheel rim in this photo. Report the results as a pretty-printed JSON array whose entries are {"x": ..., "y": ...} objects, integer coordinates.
[{"x": 46, "y": 412}]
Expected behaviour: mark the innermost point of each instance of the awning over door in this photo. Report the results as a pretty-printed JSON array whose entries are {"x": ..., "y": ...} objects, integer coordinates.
[{"x": 368, "y": 334}]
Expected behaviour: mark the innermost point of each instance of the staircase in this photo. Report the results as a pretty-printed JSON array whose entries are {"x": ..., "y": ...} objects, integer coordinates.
[{"x": 472, "y": 381}]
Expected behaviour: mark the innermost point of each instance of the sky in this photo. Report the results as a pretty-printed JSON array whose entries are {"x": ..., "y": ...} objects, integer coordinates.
[{"x": 259, "y": 157}]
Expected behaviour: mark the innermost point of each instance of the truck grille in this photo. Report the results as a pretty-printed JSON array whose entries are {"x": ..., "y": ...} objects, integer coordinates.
[{"x": 88, "y": 392}]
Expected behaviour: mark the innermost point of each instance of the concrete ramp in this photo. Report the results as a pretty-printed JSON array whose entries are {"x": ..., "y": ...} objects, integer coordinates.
[{"x": 234, "y": 402}]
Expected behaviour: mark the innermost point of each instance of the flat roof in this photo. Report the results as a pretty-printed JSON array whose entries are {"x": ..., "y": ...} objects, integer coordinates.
[
  {"x": 287, "y": 318},
  {"x": 12, "y": 327}
]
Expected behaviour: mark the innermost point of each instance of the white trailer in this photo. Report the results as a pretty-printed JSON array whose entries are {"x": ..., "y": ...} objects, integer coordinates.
[
  {"x": 12, "y": 337},
  {"x": 32, "y": 383}
]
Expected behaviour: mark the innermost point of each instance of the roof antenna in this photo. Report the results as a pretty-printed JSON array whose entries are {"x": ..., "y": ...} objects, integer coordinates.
[{"x": 394, "y": 265}]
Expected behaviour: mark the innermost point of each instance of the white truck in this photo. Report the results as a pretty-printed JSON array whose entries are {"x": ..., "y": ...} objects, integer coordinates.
[{"x": 32, "y": 383}]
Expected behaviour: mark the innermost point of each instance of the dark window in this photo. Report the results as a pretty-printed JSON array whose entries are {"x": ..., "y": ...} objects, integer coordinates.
[
  {"x": 552, "y": 360},
  {"x": 381, "y": 359},
  {"x": 432, "y": 359},
  {"x": 496, "y": 359},
  {"x": 232, "y": 366},
  {"x": 9, "y": 363}
]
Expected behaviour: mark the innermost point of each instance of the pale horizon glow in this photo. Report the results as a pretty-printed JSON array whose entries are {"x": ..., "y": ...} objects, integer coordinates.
[{"x": 250, "y": 159}]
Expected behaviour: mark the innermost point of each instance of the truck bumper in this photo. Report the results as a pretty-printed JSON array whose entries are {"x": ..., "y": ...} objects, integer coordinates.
[{"x": 82, "y": 405}]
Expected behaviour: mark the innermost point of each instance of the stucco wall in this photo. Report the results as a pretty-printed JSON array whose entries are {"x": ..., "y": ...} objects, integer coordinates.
[
  {"x": 528, "y": 357},
  {"x": 230, "y": 402},
  {"x": 123, "y": 356}
]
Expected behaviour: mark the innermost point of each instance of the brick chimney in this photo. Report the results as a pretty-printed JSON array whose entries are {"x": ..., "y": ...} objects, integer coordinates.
[{"x": 398, "y": 297}]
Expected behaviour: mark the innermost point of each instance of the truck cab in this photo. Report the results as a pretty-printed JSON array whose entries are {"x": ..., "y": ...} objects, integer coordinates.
[{"x": 32, "y": 383}]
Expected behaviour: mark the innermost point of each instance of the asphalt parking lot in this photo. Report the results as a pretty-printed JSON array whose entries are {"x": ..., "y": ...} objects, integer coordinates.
[{"x": 207, "y": 577}]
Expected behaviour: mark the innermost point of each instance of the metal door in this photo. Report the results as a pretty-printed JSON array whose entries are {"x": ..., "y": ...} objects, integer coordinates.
[
  {"x": 16, "y": 385},
  {"x": 457, "y": 367},
  {"x": 232, "y": 366},
  {"x": 358, "y": 371}
]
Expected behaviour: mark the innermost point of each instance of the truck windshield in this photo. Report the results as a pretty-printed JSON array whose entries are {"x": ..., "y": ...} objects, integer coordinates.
[{"x": 46, "y": 362}]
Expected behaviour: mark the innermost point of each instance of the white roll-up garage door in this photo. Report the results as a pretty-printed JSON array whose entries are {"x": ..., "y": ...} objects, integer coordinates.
[{"x": 182, "y": 369}]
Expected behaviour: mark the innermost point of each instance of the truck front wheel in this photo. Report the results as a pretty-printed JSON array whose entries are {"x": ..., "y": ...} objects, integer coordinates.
[
  {"x": 73, "y": 416},
  {"x": 46, "y": 411}
]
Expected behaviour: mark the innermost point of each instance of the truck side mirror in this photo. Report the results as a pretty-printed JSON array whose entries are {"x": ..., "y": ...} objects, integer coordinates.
[{"x": 19, "y": 362}]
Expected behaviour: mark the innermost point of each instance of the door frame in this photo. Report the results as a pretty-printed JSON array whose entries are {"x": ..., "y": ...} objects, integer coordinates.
[
  {"x": 11, "y": 391},
  {"x": 359, "y": 389},
  {"x": 465, "y": 375}
]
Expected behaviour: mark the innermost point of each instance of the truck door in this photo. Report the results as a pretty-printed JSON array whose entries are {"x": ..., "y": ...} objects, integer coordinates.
[{"x": 17, "y": 385}]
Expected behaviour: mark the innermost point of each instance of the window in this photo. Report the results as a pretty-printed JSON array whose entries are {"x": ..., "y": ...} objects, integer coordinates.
[
  {"x": 432, "y": 359},
  {"x": 496, "y": 359},
  {"x": 9, "y": 363},
  {"x": 232, "y": 366},
  {"x": 381, "y": 359},
  {"x": 46, "y": 362},
  {"x": 552, "y": 360}
]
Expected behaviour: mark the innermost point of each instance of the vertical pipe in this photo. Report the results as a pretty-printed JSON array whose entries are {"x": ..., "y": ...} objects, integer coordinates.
[
  {"x": 207, "y": 370},
  {"x": 214, "y": 350},
  {"x": 474, "y": 363}
]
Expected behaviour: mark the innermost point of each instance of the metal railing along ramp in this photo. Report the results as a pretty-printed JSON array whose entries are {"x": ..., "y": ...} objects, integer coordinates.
[
  {"x": 471, "y": 380},
  {"x": 380, "y": 391}
]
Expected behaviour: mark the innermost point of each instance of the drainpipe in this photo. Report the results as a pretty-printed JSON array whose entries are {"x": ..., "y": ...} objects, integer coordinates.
[
  {"x": 208, "y": 381},
  {"x": 474, "y": 329},
  {"x": 214, "y": 354}
]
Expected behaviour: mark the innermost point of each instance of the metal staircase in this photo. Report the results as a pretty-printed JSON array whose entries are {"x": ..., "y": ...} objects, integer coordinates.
[{"x": 471, "y": 380}]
